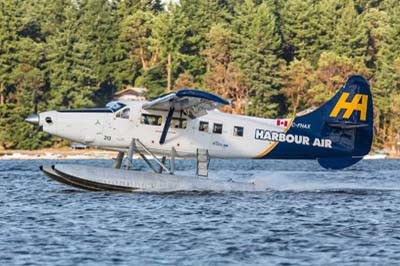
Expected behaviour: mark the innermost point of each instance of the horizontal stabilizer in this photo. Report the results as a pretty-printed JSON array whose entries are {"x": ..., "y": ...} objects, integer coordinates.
[{"x": 346, "y": 124}]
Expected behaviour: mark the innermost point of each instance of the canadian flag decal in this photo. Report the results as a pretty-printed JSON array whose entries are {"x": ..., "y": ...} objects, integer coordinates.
[{"x": 282, "y": 123}]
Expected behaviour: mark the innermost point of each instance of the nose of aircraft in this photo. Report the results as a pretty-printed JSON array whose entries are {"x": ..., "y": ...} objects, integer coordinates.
[{"x": 32, "y": 119}]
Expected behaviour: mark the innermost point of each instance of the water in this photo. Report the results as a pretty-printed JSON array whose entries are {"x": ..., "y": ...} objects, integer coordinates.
[{"x": 307, "y": 216}]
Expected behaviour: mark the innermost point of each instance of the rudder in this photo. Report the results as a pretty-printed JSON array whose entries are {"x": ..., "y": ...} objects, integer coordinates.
[{"x": 350, "y": 121}]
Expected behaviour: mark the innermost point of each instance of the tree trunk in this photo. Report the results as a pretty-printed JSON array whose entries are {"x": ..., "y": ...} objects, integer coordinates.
[
  {"x": 1, "y": 94},
  {"x": 169, "y": 73},
  {"x": 142, "y": 59}
]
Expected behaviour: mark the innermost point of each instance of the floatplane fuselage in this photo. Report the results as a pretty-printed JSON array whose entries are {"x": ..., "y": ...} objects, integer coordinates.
[
  {"x": 338, "y": 134},
  {"x": 223, "y": 135}
]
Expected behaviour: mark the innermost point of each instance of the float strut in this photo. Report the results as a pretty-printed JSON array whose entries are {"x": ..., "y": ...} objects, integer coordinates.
[
  {"x": 131, "y": 151},
  {"x": 118, "y": 160},
  {"x": 148, "y": 162},
  {"x": 172, "y": 160},
  {"x": 163, "y": 162},
  {"x": 153, "y": 155}
]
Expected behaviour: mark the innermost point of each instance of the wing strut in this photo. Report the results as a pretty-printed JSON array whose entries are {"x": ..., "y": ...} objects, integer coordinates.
[{"x": 167, "y": 124}]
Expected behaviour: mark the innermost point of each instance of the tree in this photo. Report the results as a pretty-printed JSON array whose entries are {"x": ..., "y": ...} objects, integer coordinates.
[
  {"x": 351, "y": 37},
  {"x": 184, "y": 80},
  {"x": 197, "y": 18},
  {"x": 170, "y": 31},
  {"x": 257, "y": 50},
  {"x": 154, "y": 80},
  {"x": 333, "y": 71},
  {"x": 298, "y": 81},
  {"x": 300, "y": 30},
  {"x": 9, "y": 25},
  {"x": 138, "y": 29},
  {"x": 329, "y": 14},
  {"x": 387, "y": 74},
  {"x": 66, "y": 60},
  {"x": 22, "y": 75},
  {"x": 97, "y": 34}
]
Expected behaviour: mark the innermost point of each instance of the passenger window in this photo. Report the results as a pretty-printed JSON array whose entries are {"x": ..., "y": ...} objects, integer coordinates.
[
  {"x": 178, "y": 122},
  {"x": 153, "y": 120},
  {"x": 238, "y": 131},
  {"x": 203, "y": 126},
  {"x": 217, "y": 129}
]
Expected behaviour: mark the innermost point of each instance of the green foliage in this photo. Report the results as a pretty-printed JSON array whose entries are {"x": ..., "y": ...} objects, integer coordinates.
[
  {"x": 257, "y": 51},
  {"x": 300, "y": 29},
  {"x": 154, "y": 80},
  {"x": 351, "y": 37},
  {"x": 272, "y": 57}
]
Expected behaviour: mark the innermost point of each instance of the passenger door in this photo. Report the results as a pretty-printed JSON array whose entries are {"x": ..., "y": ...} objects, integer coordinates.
[{"x": 118, "y": 128}]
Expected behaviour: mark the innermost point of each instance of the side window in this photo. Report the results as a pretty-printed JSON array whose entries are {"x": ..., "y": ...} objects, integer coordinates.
[
  {"x": 178, "y": 122},
  {"x": 125, "y": 113},
  {"x": 238, "y": 131},
  {"x": 153, "y": 120},
  {"x": 203, "y": 126},
  {"x": 217, "y": 129}
]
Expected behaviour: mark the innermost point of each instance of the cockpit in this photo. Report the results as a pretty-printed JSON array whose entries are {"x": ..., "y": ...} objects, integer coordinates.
[{"x": 120, "y": 109}]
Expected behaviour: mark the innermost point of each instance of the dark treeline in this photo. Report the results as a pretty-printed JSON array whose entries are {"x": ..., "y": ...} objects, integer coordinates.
[{"x": 273, "y": 57}]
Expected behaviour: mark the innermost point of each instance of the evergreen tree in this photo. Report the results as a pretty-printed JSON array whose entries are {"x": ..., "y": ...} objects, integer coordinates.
[
  {"x": 131, "y": 14},
  {"x": 259, "y": 44},
  {"x": 387, "y": 76},
  {"x": 300, "y": 30},
  {"x": 22, "y": 76},
  {"x": 9, "y": 26},
  {"x": 97, "y": 32},
  {"x": 76, "y": 53},
  {"x": 329, "y": 13},
  {"x": 170, "y": 32},
  {"x": 61, "y": 56},
  {"x": 197, "y": 18},
  {"x": 351, "y": 37}
]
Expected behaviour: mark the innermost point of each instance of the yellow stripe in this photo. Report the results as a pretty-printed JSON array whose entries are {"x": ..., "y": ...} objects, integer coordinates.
[{"x": 270, "y": 148}]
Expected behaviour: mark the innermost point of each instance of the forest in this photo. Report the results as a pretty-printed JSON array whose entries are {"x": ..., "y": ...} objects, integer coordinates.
[{"x": 272, "y": 58}]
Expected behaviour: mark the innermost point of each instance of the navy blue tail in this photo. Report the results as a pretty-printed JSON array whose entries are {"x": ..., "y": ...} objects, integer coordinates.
[
  {"x": 347, "y": 120},
  {"x": 338, "y": 134}
]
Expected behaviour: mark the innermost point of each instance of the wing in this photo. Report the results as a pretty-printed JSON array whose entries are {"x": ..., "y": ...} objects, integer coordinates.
[{"x": 193, "y": 102}]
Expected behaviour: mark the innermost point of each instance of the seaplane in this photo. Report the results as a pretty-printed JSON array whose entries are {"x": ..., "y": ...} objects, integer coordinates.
[{"x": 188, "y": 124}]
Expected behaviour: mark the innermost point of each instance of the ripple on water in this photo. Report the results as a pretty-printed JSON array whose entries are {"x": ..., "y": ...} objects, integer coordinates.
[{"x": 306, "y": 216}]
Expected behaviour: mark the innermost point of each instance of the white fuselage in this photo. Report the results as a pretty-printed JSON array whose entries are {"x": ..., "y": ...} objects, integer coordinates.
[{"x": 114, "y": 131}]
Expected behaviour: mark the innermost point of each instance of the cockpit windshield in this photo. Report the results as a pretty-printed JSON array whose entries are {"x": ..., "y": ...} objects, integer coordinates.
[{"x": 114, "y": 106}]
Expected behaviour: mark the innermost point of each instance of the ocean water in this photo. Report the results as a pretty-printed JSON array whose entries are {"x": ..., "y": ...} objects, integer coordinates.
[{"x": 306, "y": 216}]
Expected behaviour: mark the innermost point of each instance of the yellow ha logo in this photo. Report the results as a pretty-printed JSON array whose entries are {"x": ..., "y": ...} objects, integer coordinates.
[{"x": 359, "y": 103}]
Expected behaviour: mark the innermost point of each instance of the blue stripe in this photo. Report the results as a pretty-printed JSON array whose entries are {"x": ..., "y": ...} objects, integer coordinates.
[{"x": 202, "y": 95}]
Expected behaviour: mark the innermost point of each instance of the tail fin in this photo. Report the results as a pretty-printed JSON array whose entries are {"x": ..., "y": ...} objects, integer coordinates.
[{"x": 347, "y": 122}]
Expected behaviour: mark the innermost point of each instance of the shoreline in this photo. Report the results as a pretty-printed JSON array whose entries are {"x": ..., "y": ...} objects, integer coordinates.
[
  {"x": 76, "y": 154},
  {"x": 53, "y": 154}
]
